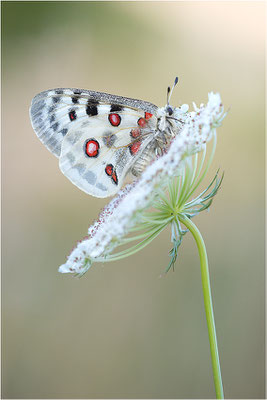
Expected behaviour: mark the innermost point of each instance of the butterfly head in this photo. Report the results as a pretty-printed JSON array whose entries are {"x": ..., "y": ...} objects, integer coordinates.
[
  {"x": 175, "y": 112},
  {"x": 169, "y": 110},
  {"x": 169, "y": 115}
]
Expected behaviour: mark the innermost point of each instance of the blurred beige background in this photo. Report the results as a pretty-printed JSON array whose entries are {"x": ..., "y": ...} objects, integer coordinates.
[{"x": 120, "y": 331}]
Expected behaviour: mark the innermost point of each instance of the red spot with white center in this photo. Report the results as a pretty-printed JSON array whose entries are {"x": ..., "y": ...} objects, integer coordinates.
[
  {"x": 110, "y": 171},
  {"x": 135, "y": 133},
  {"x": 148, "y": 115},
  {"x": 142, "y": 122},
  {"x": 114, "y": 119},
  {"x": 134, "y": 148},
  {"x": 91, "y": 148}
]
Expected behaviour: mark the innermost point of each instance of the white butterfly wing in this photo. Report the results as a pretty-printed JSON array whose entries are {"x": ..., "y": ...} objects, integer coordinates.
[
  {"x": 49, "y": 117},
  {"x": 96, "y": 157},
  {"x": 97, "y": 143}
]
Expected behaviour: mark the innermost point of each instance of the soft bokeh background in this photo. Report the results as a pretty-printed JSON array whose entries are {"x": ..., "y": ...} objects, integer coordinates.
[{"x": 120, "y": 331}]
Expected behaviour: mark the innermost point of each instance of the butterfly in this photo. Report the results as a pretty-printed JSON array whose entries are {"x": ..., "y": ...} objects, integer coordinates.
[{"x": 99, "y": 138}]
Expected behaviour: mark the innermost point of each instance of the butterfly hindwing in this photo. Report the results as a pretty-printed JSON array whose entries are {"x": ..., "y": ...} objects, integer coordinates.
[
  {"x": 96, "y": 136},
  {"x": 96, "y": 156}
]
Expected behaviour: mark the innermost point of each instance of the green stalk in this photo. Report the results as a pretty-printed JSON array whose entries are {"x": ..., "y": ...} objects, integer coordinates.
[{"x": 207, "y": 303}]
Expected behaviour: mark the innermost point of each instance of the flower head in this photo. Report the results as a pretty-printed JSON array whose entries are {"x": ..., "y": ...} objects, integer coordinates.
[{"x": 161, "y": 196}]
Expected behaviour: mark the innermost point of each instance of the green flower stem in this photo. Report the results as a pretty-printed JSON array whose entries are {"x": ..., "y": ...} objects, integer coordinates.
[{"x": 208, "y": 304}]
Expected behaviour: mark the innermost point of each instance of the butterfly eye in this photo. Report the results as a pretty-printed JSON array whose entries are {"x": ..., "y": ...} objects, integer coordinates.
[{"x": 169, "y": 110}]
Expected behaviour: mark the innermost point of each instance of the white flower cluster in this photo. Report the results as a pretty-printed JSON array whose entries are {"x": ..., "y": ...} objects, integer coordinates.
[{"x": 122, "y": 212}]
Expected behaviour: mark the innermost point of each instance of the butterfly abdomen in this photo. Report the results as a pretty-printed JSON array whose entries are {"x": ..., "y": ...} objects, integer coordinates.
[{"x": 146, "y": 158}]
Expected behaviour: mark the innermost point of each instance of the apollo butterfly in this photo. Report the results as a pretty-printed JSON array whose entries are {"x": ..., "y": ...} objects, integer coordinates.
[{"x": 99, "y": 138}]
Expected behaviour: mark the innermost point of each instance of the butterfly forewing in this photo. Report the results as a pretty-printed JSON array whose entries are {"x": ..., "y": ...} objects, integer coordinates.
[{"x": 97, "y": 136}]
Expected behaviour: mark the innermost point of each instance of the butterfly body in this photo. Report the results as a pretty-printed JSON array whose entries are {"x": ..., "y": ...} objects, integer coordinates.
[{"x": 99, "y": 138}]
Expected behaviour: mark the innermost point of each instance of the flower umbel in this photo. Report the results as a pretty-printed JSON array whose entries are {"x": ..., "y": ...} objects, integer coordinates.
[{"x": 162, "y": 195}]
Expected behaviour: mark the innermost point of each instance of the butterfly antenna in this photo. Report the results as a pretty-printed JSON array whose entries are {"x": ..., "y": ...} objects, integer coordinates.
[{"x": 170, "y": 92}]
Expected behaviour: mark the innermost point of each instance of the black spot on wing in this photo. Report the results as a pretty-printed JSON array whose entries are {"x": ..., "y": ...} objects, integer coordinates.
[
  {"x": 75, "y": 99},
  {"x": 57, "y": 97},
  {"x": 91, "y": 108},
  {"x": 115, "y": 107},
  {"x": 91, "y": 111}
]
